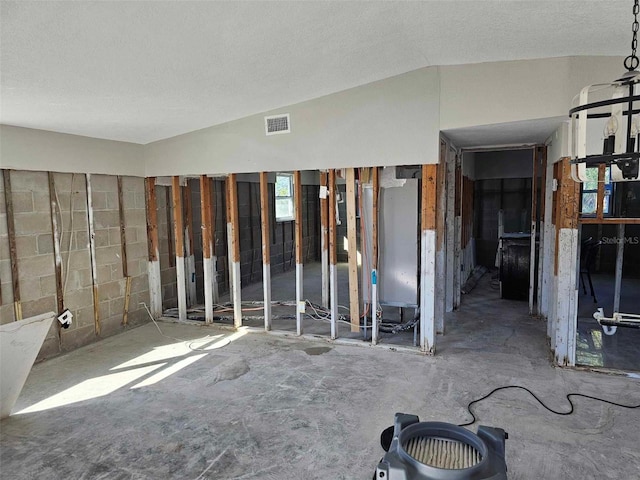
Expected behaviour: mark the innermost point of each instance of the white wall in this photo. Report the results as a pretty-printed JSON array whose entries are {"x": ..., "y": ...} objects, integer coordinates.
[
  {"x": 389, "y": 122},
  {"x": 28, "y": 149}
]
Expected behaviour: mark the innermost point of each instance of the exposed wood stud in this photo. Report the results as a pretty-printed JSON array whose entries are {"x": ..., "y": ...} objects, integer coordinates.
[
  {"x": 354, "y": 300},
  {"x": 190, "y": 260},
  {"x": 333, "y": 255},
  {"x": 600, "y": 195},
  {"x": 610, "y": 221},
  {"x": 541, "y": 247},
  {"x": 92, "y": 248},
  {"x": 123, "y": 236},
  {"x": 428, "y": 257},
  {"x": 213, "y": 205},
  {"x": 55, "y": 229},
  {"x": 266, "y": 248},
  {"x": 205, "y": 207},
  {"x": 155, "y": 285},
  {"x": 534, "y": 226},
  {"x": 172, "y": 251},
  {"x": 297, "y": 197},
  {"x": 178, "y": 231},
  {"x": 375, "y": 184},
  {"x": 13, "y": 253},
  {"x": 324, "y": 238},
  {"x": 127, "y": 298},
  {"x": 232, "y": 192}
]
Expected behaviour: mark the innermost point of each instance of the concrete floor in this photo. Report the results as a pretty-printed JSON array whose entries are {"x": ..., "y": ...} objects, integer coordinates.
[
  {"x": 620, "y": 351},
  {"x": 142, "y": 406}
]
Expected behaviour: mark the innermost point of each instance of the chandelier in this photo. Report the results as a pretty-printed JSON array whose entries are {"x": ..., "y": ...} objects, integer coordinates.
[{"x": 605, "y": 126}]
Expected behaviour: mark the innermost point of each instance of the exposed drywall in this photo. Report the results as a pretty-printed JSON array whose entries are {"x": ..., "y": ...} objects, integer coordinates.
[
  {"x": 558, "y": 144},
  {"x": 28, "y": 149},
  {"x": 389, "y": 122}
]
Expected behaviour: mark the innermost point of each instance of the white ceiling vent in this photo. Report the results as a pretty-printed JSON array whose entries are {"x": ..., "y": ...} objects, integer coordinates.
[{"x": 276, "y": 124}]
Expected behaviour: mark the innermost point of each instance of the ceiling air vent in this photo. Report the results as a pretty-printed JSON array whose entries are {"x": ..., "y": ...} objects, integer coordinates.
[{"x": 276, "y": 124}]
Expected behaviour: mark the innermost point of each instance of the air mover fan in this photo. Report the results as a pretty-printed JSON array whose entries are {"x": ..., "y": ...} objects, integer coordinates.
[{"x": 440, "y": 451}]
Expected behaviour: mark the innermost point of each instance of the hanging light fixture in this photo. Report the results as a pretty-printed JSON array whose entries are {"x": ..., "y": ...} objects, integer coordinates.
[{"x": 605, "y": 126}]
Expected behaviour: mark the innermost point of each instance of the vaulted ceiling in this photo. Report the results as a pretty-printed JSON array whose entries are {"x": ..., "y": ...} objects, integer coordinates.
[{"x": 143, "y": 71}]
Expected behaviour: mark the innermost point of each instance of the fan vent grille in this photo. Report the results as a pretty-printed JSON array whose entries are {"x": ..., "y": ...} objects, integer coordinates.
[
  {"x": 443, "y": 453},
  {"x": 277, "y": 124}
]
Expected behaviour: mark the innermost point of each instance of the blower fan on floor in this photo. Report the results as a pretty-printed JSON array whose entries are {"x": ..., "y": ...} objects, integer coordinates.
[{"x": 440, "y": 451}]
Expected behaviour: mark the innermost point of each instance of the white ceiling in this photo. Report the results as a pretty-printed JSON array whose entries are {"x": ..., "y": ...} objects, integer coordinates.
[{"x": 143, "y": 71}]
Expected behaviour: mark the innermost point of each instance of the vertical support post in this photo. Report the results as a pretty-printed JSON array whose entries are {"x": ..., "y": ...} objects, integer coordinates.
[
  {"x": 324, "y": 237},
  {"x": 234, "y": 247},
  {"x": 212, "y": 237},
  {"x": 441, "y": 233},
  {"x": 619, "y": 263},
  {"x": 123, "y": 254},
  {"x": 13, "y": 252},
  {"x": 155, "y": 284},
  {"x": 188, "y": 234},
  {"x": 55, "y": 229},
  {"x": 229, "y": 236},
  {"x": 450, "y": 227},
  {"x": 171, "y": 246},
  {"x": 205, "y": 213},
  {"x": 534, "y": 227},
  {"x": 600, "y": 195},
  {"x": 567, "y": 268},
  {"x": 374, "y": 255},
  {"x": 297, "y": 198},
  {"x": 458, "y": 234},
  {"x": 354, "y": 300},
  {"x": 266, "y": 248},
  {"x": 92, "y": 248},
  {"x": 542, "y": 229},
  {"x": 333, "y": 255},
  {"x": 178, "y": 230},
  {"x": 428, "y": 258}
]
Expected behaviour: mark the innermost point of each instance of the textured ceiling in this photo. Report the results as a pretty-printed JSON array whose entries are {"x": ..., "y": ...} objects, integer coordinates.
[{"x": 143, "y": 71}]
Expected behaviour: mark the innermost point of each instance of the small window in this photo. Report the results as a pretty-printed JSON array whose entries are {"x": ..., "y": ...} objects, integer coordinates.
[
  {"x": 590, "y": 192},
  {"x": 284, "y": 197}
]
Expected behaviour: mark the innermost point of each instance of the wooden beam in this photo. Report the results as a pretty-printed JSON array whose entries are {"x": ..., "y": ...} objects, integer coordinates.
[
  {"x": 178, "y": 231},
  {"x": 205, "y": 213},
  {"x": 333, "y": 255},
  {"x": 171, "y": 248},
  {"x": 541, "y": 223},
  {"x": 354, "y": 300},
  {"x": 123, "y": 236},
  {"x": 428, "y": 223},
  {"x": 297, "y": 198},
  {"x": 375, "y": 184},
  {"x": 609, "y": 221},
  {"x": 55, "y": 229},
  {"x": 155, "y": 284},
  {"x": 266, "y": 248},
  {"x": 534, "y": 227},
  {"x": 13, "y": 252},
  {"x": 127, "y": 298},
  {"x": 324, "y": 237},
  {"x": 92, "y": 249},
  {"x": 441, "y": 235},
  {"x": 234, "y": 243},
  {"x": 190, "y": 259},
  {"x": 213, "y": 205}
]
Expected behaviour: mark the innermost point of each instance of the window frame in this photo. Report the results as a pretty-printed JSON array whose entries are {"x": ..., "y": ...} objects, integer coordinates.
[
  {"x": 608, "y": 192},
  {"x": 291, "y": 198}
]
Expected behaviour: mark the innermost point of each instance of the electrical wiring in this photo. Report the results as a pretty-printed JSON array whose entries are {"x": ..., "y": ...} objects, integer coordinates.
[{"x": 556, "y": 412}]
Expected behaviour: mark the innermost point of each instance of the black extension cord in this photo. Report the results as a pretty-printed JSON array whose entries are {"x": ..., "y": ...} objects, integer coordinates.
[{"x": 518, "y": 387}]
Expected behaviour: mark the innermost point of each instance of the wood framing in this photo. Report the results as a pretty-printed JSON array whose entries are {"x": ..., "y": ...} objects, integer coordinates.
[
  {"x": 171, "y": 246},
  {"x": 324, "y": 237},
  {"x": 123, "y": 235},
  {"x": 441, "y": 235},
  {"x": 534, "y": 229},
  {"x": 214, "y": 258},
  {"x": 190, "y": 259},
  {"x": 55, "y": 229},
  {"x": 155, "y": 284},
  {"x": 234, "y": 248},
  {"x": 92, "y": 249},
  {"x": 13, "y": 252},
  {"x": 178, "y": 231},
  {"x": 265, "y": 214},
  {"x": 542, "y": 229},
  {"x": 354, "y": 300},
  {"x": 600, "y": 195},
  {"x": 375, "y": 184},
  {"x": 450, "y": 229},
  {"x": 205, "y": 213},
  {"x": 428, "y": 224},
  {"x": 127, "y": 298},
  {"x": 333, "y": 255},
  {"x": 297, "y": 199}
]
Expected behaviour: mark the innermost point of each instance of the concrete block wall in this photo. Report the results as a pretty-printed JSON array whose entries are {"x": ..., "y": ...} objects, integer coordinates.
[
  {"x": 167, "y": 259},
  {"x": 35, "y": 253}
]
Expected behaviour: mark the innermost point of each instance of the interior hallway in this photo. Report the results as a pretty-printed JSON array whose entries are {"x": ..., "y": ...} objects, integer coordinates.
[{"x": 267, "y": 407}]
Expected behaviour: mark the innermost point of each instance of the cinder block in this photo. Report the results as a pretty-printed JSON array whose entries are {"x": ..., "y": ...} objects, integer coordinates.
[
  {"x": 111, "y": 290},
  {"x": 22, "y": 202},
  {"x": 78, "y": 279},
  {"x": 106, "y": 219},
  {"x": 104, "y": 309},
  {"x": 45, "y": 243},
  {"x": 81, "y": 240},
  {"x": 83, "y": 317},
  {"x": 79, "y": 259},
  {"x": 111, "y": 326},
  {"x": 34, "y": 267},
  {"x": 78, "y": 299},
  {"x": 26, "y": 246},
  {"x": 98, "y": 201},
  {"x": 39, "y": 306},
  {"x": 28, "y": 181},
  {"x": 32, "y": 223},
  {"x": 112, "y": 200},
  {"x": 6, "y": 310},
  {"x": 116, "y": 307},
  {"x": 134, "y": 218},
  {"x": 131, "y": 235},
  {"x": 114, "y": 236},
  {"x": 50, "y": 348},
  {"x": 107, "y": 256},
  {"x": 72, "y": 339},
  {"x": 47, "y": 286},
  {"x": 104, "y": 183}
]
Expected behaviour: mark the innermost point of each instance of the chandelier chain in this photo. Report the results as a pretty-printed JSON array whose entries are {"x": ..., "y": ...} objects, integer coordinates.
[{"x": 632, "y": 61}]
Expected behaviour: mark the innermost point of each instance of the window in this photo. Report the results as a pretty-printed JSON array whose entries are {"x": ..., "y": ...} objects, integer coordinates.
[
  {"x": 590, "y": 192},
  {"x": 284, "y": 197}
]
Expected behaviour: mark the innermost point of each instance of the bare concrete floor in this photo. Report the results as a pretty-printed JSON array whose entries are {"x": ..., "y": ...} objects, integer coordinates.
[{"x": 256, "y": 406}]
